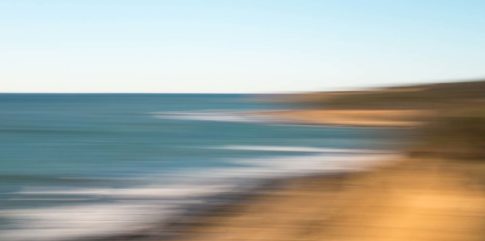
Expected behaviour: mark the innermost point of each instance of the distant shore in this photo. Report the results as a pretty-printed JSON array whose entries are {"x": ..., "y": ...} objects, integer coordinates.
[
  {"x": 435, "y": 192},
  {"x": 412, "y": 198},
  {"x": 364, "y": 118},
  {"x": 435, "y": 197}
]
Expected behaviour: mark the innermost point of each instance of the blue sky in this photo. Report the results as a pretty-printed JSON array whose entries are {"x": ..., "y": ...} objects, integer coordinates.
[{"x": 236, "y": 45}]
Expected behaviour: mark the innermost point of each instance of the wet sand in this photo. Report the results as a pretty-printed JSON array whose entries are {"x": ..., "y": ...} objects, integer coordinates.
[{"x": 370, "y": 118}]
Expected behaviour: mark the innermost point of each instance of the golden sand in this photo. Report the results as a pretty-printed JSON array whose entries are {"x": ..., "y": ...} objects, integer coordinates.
[
  {"x": 372, "y": 118},
  {"x": 407, "y": 200},
  {"x": 434, "y": 202}
]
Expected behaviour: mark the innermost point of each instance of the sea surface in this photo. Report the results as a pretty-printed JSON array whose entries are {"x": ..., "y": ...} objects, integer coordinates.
[{"x": 92, "y": 165}]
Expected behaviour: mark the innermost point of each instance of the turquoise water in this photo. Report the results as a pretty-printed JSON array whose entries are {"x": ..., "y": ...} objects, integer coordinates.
[{"x": 79, "y": 165}]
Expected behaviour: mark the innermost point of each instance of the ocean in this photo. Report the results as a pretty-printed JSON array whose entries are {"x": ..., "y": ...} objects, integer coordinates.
[{"x": 77, "y": 166}]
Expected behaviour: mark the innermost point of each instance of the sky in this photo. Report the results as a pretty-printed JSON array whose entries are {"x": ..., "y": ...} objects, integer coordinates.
[{"x": 236, "y": 46}]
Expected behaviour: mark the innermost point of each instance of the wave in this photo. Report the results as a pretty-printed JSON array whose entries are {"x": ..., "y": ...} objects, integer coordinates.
[
  {"x": 135, "y": 193},
  {"x": 262, "y": 168},
  {"x": 134, "y": 210},
  {"x": 300, "y": 149},
  {"x": 211, "y": 115},
  {"x": 137, "y": 208},
  {"x": 57, "y": 223}
]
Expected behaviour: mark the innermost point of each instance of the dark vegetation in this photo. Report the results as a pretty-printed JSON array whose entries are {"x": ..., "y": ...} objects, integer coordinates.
[
  {"x": 454, "y": 129},
  {"x": 454, "y": 134},
  {"x": 429, "y": 96}
]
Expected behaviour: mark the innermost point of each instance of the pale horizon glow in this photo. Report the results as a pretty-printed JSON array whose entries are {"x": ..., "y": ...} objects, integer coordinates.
[{"x": 239, "y": 46}]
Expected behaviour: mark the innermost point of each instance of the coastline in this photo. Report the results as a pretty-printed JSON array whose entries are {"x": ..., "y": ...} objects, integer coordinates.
[
  {"x": 197, "y": 220},
  {"x": 194, "y": 218},
  {"x": 138, "y": 209},
  {"x": 193, "y": 225},
  {"x": 408, "y": 198},
  {"x": 222, "y": 211},
  {"x": 348, "y": 117},
  {"x": 395, "y": 201}
]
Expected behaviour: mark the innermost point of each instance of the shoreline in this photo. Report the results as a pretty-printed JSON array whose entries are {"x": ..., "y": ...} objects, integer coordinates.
[
  {"x": 218, "y": 205},
  {"x": 184, "y": 225},
  {"x": 348, "y": 117},
  {"x": 376, "y": 204},
  {"x": 399, "y": 199},
  {"x": 196, "y": 224},
  {"x": 225, "y": 204},
  {"x": 404, "y": 200}
]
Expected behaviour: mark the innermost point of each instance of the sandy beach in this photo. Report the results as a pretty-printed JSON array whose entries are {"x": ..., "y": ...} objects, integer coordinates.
[
  {"x": 412, "y": 198},
  {"x": 338, "y": 117},
  {"x": 434, "y": 200}
]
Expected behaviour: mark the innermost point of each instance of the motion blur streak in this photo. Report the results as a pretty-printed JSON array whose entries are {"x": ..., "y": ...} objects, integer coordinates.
[
  {"x": 88, "y": 166},
  {"x": 400, "y": 163}
]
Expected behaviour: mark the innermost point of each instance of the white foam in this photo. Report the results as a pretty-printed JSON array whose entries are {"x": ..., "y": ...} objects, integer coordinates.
[
  {"x": 299, "y": 149},
  {"x": 210, "y": 115},
  {"x": 256, "y": 168},
  {"x": 57, "y": 223},
  {"x": 141, "y": 192},
  {"x": 319, "y": 163}
]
